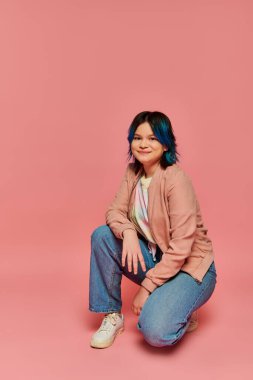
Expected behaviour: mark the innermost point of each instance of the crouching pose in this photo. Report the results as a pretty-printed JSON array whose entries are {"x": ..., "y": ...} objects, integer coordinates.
[{"x": 154, "y": 235}]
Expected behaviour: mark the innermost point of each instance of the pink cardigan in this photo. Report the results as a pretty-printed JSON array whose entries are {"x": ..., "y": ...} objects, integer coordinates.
[{"x": 175, "y": 221}]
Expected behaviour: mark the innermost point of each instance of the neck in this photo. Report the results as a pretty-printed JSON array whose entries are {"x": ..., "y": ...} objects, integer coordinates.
[{"x": 149, "y": 170}]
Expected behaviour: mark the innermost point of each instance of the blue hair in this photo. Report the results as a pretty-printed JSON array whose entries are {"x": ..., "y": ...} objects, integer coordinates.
[{"x": 162, "y": 129}]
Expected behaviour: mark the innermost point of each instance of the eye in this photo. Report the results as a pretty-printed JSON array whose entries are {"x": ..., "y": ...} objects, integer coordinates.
[
  {"x": 154, "y": 138},
  {"x": 136, "y": 138}
]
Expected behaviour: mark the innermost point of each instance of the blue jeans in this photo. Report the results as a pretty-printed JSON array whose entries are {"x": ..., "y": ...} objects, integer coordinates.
[{"x": 166, "y": 313}]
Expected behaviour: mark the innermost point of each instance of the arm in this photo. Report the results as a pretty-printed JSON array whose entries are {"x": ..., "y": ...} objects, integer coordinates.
[
  {"x": 116, "y": 213},
  {"x": 183, "y": 224}
]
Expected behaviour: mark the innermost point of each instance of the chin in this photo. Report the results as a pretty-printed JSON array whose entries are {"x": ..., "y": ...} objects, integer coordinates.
[{"x": 144, "y": 160}]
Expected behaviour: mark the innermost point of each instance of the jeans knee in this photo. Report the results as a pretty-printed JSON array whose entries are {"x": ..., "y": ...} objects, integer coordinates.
[
  {"x": 100, "y": 232},
  {"x": 155, "y": 336},
  {"x": 103, "y": 242}
]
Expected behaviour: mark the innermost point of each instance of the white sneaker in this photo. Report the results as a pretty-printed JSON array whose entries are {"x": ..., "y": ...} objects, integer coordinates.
[
  {"x": 193, "y": 322},
  {"x": 112, "y": 325}
]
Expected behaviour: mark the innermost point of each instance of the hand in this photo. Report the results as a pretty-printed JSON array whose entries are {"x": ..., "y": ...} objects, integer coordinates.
[
  {"x": 132, "y": 251},
  {"x": 139, "y": 300}
]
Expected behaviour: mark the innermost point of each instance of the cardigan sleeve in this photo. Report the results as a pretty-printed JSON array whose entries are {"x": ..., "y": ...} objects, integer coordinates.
[
  {"x": 182, "y": 210},
  {"x": 116, "y": 214}
]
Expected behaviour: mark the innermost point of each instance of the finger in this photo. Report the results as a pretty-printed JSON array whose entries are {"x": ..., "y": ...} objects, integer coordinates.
[
  {"x": 123, "y": 259},
  {"x": 142, "y": 262},
  {"x": 129, "y": 262},
  {"x": 135, "y": 263}
]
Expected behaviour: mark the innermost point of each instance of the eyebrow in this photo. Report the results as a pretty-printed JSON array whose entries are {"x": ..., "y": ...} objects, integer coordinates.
[{"x": 137, "y": 134}]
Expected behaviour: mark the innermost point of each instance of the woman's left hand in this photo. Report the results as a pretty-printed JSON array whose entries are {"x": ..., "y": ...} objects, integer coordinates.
[{"x": 139, "y": 300}]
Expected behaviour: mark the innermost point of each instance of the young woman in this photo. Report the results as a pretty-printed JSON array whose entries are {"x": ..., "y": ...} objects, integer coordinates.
[{"x": 154, "y": 235}]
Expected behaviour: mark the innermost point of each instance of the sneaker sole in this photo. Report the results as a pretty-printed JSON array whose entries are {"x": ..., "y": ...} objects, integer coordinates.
[{"x": 106, "y": 343}]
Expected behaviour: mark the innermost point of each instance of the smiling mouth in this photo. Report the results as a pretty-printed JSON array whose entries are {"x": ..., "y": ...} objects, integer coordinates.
[{"x": 144, "y": 152}]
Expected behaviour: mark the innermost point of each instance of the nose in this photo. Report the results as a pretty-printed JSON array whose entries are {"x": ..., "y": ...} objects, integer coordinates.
[{"x": 143, "y": 143}]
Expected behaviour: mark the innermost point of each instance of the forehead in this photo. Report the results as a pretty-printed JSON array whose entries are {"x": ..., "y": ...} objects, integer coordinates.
[{"x": 144, "y": 129}]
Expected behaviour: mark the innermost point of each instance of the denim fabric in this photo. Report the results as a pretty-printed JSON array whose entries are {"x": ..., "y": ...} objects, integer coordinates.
[{"x": 166, "y": 314}]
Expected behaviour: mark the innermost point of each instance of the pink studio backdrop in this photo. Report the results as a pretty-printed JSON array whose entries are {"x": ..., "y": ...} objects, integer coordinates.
[{"x": 73, "y": 75}]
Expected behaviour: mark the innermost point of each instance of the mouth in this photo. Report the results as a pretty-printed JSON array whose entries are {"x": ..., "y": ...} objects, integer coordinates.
[{"x": 144, "y": 152}]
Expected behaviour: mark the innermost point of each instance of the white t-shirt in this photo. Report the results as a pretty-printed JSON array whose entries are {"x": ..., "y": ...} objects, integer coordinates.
[{"x": 140, "y": 213}]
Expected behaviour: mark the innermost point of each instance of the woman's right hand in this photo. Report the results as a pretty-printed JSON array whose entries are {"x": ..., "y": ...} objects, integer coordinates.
[{"x": 132, "y": 251}]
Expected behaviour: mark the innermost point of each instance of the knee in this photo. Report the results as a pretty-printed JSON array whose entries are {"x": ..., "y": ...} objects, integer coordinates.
[
  {"x": 100, "y": 232},
  {"x": 104, "y": 243},
  {"x": 152, "y": 336},
  {"x": 157, "y": 336}
]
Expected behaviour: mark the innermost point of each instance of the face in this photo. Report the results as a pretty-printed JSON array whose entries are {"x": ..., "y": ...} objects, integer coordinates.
[{"x": 145, "y": 146}]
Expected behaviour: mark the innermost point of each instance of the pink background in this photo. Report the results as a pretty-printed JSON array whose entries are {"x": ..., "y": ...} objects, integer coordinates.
[{"x": 73, "y": 74}]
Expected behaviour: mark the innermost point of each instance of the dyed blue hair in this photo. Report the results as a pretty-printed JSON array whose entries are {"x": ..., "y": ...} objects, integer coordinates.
[{"x": 162, "y": 129}]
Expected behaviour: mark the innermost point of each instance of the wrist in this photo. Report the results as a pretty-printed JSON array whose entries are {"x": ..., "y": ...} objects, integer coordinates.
[
  {"x": 146, "y": 290},
  {"x": 128, "y": 231}
]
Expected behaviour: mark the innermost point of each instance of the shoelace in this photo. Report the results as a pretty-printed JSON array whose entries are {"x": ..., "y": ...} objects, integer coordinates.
[{"x": 109, "y": 319}]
